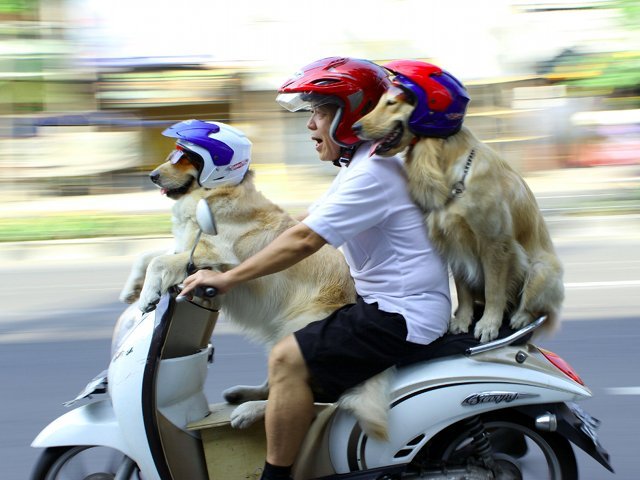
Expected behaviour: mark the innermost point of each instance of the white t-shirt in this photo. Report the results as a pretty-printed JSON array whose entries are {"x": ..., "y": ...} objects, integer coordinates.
[{"x": 368, "y": 211}]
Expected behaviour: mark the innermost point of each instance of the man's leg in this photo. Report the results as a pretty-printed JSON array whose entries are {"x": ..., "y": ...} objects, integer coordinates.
[{"x": 290, "y": 405}]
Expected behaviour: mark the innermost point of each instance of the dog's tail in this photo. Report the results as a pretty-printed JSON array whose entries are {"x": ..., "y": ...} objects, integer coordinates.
[
  {"x": 369, "y": 403},
  {"x": 543, "y": 291}
]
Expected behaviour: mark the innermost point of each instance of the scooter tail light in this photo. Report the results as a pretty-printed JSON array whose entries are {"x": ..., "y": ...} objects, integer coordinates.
[{"x": 562, "y": 365}]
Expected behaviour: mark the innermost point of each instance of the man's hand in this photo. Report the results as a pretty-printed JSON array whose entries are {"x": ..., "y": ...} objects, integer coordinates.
[
  {"x": 206, "y": 278},
  {"x": 290, "y": 247}
]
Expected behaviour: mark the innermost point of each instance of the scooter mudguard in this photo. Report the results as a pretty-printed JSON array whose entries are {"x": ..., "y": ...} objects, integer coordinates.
[
  {"x": 576, "y": 426},
  {"x": 91, "y": 424}
]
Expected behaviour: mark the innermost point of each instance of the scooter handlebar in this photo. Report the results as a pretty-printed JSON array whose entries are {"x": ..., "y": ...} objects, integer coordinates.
[
  {"x": 210, "y": 292},
  {"x": 202, "y": 292}
]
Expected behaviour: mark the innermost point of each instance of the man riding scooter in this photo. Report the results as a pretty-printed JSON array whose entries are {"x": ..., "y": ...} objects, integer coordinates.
[{"x": 402, "y": 283}]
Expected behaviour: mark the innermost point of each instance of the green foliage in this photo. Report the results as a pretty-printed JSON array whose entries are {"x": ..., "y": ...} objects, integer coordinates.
[
  {"x": 612, "y": 73},
  {"x": 630, "y": 10},
  {"x": 615, "y": 71},
  {"x": 65, "y": 226},
  {"x": 18, "y": 6}
]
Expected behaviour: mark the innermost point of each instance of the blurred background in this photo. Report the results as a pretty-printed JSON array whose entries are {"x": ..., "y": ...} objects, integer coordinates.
[{"x": 87, "y": 86}]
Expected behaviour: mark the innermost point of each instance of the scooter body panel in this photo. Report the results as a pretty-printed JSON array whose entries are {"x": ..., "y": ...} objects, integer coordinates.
[
  {"x": 498, "y": 366},
  {"x": 126, "y": 375},
  {"x": 116, "y": 422},
  {"x": 180, "y": 383},
  {"x": 91, "y": 424},
  {"x": 446, "y": 390}
]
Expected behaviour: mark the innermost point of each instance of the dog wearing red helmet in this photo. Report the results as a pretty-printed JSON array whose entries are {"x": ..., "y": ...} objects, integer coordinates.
[{"x": 481, "y": 214}]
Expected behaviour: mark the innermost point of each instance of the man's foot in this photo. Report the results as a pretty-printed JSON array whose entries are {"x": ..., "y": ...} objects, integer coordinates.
[{"x": 275, "y": 472}]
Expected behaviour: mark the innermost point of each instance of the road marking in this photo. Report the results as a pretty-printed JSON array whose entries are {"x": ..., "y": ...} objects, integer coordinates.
[
  {"x": 619, "y": 283},
  {"x": 67, "y": 334},
  {"x": 623, "y": 391},
  {"x": 545, "y": 197}
]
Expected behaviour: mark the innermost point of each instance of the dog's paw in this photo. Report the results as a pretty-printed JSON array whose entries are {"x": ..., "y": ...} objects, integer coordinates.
[
  {"x": 244, "y": 393},
  {"x": 460, "y": 322},
  {"x": 520, "y": 320},
  {"x": 456, "y": 327},
  {"x": 486, "y": 330},
  {"x": 149, "y": 298},
  {"x": 247, "y": 414}
]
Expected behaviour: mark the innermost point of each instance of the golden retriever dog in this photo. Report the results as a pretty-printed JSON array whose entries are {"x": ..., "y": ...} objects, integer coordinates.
[
  {"x": 481, "y": 216},
  {"x": 268, "y": 308}
]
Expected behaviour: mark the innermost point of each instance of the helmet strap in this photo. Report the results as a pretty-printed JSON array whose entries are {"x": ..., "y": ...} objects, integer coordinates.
[{"x": 346, "y": 154}]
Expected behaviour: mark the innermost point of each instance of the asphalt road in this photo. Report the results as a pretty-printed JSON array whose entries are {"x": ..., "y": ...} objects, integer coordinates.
[
  {"x": 38, "y": 377},
  {"x": 57, "y": 318}
]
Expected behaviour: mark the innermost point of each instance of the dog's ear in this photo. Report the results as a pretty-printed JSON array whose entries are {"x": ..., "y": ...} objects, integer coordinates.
[
  {"x": 399, "y": 93},
  {"x": 407, "y": 96}
]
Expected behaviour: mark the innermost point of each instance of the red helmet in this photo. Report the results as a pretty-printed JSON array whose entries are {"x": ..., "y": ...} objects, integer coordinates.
[
  {"x": 441, "y": 99},
  {"x": 354, "y": 85}
]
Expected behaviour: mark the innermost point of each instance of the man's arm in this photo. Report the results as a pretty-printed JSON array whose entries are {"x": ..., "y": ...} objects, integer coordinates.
[{"x": 289, "y": 248}]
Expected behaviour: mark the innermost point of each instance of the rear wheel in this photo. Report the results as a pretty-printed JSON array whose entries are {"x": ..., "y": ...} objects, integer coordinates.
[
  {"x": 84, "y": 463},
  {"x": 518, "y": 449}
]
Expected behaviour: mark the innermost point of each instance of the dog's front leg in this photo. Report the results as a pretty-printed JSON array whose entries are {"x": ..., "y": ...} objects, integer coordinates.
[
  {"x": 464, "y": 313},
  {"x": 162, "y": 273},
  {"x": 245, "y": 393},
  {"x": 495, "y": 263},
  {"x": 252, "y": 400},
  {"x": 133, "y": 286},
  {"x": 248, "y": 413}
]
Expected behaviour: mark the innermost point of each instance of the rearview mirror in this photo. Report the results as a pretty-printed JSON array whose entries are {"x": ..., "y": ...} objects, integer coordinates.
[{"x": 205, "y": 218}]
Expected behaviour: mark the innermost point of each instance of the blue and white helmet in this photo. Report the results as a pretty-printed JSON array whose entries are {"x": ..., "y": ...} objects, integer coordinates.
[{"x": 225, "y": 152}]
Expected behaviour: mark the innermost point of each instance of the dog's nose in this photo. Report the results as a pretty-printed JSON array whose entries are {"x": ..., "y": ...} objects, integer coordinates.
[{"x": 154, "y": 176}]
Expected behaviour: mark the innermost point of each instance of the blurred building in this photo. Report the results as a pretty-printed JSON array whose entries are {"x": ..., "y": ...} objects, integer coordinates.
[{"x": 82, "y": 106}]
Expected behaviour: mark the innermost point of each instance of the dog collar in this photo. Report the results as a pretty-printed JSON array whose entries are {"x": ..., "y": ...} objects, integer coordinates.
[{"x": 458, "y": 188}]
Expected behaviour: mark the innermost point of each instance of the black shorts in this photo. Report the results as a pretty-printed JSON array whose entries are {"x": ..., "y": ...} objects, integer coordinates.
[
  {"x": 353, "y": 344},
  {"x": 359, "y": 341}
]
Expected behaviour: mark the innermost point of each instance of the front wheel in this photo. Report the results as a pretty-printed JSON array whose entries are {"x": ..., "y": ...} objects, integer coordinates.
[
  {"x": 517, "y": 448},
  {"x": 84, "y": 463}
]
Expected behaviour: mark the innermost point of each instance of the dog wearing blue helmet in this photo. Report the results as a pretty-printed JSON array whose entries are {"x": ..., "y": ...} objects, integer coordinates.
[
  {"x": 481, "y": 215},
  {"x": 219, "y": 153},
  {"x": 211, "y": 161}
]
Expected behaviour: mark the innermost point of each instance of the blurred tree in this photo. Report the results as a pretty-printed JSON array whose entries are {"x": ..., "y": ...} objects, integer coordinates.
[
  {"x": 630, "y": 10},
  {"x": 611, "y": 73},
  {"x": 18, "y": 6}
]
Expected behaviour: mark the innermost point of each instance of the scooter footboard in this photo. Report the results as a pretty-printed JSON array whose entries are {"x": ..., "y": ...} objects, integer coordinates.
[
  {"x": 230, "y": 453},
  {"x": 91, "y": 424},
  {"x": 233, "y": 453},
  {"x": 575, "y": 425}
]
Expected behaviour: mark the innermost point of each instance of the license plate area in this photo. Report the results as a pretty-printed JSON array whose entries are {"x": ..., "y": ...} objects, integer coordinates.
[{"x": 585, "y": 422}]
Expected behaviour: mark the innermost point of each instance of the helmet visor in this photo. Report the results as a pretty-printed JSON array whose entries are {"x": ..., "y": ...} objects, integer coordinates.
[
  {"x": 175, "y": 156},
  {"x": 294, "y": 102}
]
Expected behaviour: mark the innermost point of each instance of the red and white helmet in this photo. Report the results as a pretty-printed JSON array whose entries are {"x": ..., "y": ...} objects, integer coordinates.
[{"x": 354, "y": 85}]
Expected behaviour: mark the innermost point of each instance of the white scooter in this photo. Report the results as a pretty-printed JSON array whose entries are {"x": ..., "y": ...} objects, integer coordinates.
[{"x": 501, "y": 410}]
